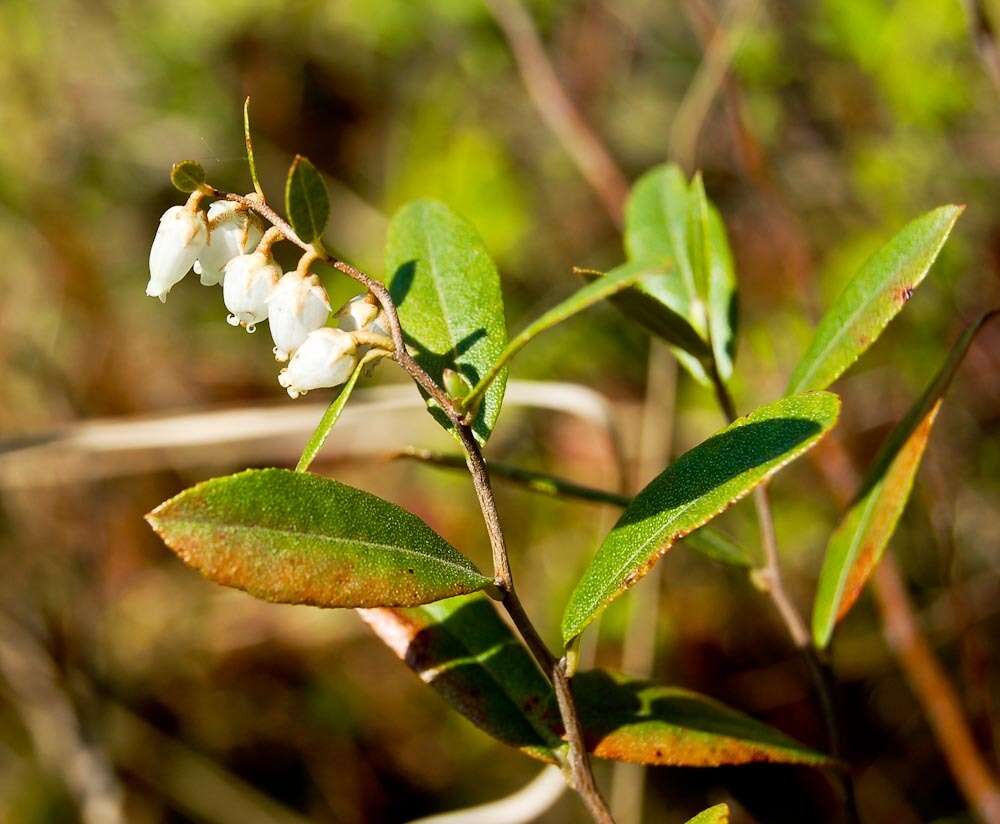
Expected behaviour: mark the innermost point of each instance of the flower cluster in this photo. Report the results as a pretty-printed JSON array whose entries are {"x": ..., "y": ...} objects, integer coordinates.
[{"x": 228, "y": 245}]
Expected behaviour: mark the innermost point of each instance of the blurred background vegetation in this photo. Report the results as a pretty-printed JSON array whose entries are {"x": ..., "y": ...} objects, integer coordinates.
[{"x": 837, "y": 121}]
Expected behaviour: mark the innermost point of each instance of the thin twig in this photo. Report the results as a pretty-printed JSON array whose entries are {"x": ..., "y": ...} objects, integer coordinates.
[
  {"x": 578, "y": 761},
  {"x": 554, "y": 105}
]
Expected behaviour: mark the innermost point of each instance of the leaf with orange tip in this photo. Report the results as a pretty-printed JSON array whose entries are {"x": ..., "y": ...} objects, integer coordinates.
[{"x": 857, "y": 544}]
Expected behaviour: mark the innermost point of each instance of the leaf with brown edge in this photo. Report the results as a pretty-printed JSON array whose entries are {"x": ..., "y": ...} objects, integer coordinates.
[
  {"x": 642, "y": 723},
  {"x": 297, "y": 538},
  {"x": 719, "y": 814},
  {"x": 860, "y": 539},
  {"x": 462, "y": 649},
  {"x": 690, "y": 492}
]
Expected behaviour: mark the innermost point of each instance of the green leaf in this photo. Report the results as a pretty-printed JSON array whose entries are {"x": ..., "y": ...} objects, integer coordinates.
[
  {"x": 251, "y": 162},
  {"x": 719, "y": 814},
  {"x": 598, "y": 289},
  {"x": 722, "y": 295},
  {"x": 656, "y": 230},
  {"x": 306, "y": 201},
  {"x": 463, "y": 649},
  {"x": 448, "y": 293},
  {"x": 332, "y": 414},
  {"x": 693, "y": 490},
  {"x": 187, "y": 175},
  {"x": 860, "y": 539},
  {"x": 297, "y": 538},
  {"x": 872, "y": 298},
  {"x": 649, "y": 304},
  {"x": 642, "y": 723}
]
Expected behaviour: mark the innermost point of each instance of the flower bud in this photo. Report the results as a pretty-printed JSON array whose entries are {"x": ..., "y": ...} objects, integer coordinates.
[
  {"x": 455, "y": 384},
  {"x": 247, "y": 284},
  {"x": 180, "y": 238},
  {"x": 297, "y": 306},
  {"x": 325, "y": 359},
  {"x": 232, "y": 232},
  {"x": 363, "y": 314}
]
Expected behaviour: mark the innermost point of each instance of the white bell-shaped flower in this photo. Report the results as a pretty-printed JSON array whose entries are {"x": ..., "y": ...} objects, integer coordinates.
[
  {"x": 180, "y": 238},
  {"x": 247, "y": 284},
  {"x": 363, "y": 314},
  {"x": 297, "y": 306},
  {"x": 233, "y": 232},
  {"x": 325, "y": 359}
]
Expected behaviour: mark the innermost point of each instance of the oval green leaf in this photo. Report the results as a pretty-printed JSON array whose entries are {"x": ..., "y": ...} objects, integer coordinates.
[
  {"x": 187, "y": 175},
  {"x": 642, "y": 723},
  {"x": 601, "y": 287},
  {"x": 719, "y": 814},
  {"x": 297, "y": 538},
  {"x": 860, "y": 539},
  {"x": 463, "y": 649},
  {"x": 448, "y": 292},
  {"x": 693, "y": 490},
  {"x": 873, "y": 297},
  {"x": 306, "y": 201}
]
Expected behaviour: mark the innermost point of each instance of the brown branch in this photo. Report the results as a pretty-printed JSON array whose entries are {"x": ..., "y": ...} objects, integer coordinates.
[
  {"x": 579, "y": 763},
  {"x": 557, "y": 110}
]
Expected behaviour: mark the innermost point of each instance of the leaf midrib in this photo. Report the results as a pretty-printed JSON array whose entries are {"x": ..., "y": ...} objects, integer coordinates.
[{"x": 332, "y": 539}]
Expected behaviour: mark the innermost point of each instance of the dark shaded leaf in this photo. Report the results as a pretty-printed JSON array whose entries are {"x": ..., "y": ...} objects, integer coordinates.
[{"x": 306, "y": 201}]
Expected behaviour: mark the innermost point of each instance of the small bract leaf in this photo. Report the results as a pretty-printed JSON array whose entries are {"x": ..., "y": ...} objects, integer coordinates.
[
  {"x": 297, "y": 538},
  {"x": 719, "y": 814},
  {"x": 598, "y": 289},
  {"x": 643, "y": 723},
  {"x": 187, "y": 175},
  {"x": 332, "y": 414},
  {"x": 448, "y": 293},
  {"x": 693, "y": 490},
  {"x": 859, "y": 541},
  {"x": 306, "y": 201},
  {"x": 872, "y": 298},
  {"x": 465, "y": 651},
  {"x": 251, "y": 161}
]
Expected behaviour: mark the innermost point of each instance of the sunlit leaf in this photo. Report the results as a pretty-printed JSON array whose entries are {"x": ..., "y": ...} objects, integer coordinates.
[
  {"x": 859, "y": 541},
  {"x": 448, "y": 293},
  {"x": 463, "y": 649},
  {"x": 872, "y": 298},
  {"x": 471, "y": 657},
  {"x": 694, "y": 489},
  {"x": 187, "y": 175},
  {"x": 601, "y": 287},
  {"x": 721, "y": 296},
  {"x": 719, "y": 814},
  {"x": 643, "y": 723},
  {"x": 306, "y": 201},
  {"x": 332, "y": 414},
  {"x": 297, "y": 538}
]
